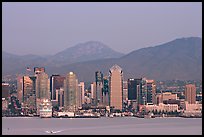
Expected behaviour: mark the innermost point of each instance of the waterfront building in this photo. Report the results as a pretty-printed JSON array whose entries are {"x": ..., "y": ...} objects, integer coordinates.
[
  {"x": 45, "y": 108},
  {"x": 71, "y": 92},
  {"x": 116, "y": 87},
  {"x": 169, "y": 96},
  {"x": 190, "y": 93},
  {"x": 159, "y": 98},
  {"x": 161, "y": 107},
  {"x": 193, "y": 107}
]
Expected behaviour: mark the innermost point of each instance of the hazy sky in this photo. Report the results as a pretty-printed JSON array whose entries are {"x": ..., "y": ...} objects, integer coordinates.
[{"x": 47, "y": 28}]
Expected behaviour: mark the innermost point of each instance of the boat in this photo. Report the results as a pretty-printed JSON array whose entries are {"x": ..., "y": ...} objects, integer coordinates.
[
  {"x": 53, "y": 132},
  {"x": 111, "y": 115}
]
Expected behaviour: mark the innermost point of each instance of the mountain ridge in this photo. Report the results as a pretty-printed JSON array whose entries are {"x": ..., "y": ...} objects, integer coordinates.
[{"x": 178, "y": 59}]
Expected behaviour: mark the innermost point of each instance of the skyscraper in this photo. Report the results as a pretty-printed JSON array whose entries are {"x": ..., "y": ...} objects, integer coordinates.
[
  {"x": 81, "y": 98},
  {"x": 133, "y": 88},
  {"x": 147, "y": 92},
  {"x": 42, "y": 89},
  {"x": 190, "y": 93},
  {"x": 105, "y": 91},
  {"x": 20, "y": 88},
  {"x": 116, "y": 87},
  {"x": 71, "y": 92},
  {"x": 99, "y": 86},
  {"x": 93, "y": 93},
  {"x": 56, "y": 82},
  {"x": 134, "y": 93},
  {"x": 151, "y": 91},
  {"x": 125, "y": 91},
  {"x": 60, "y": 98},
  {"x": 29, "y": 92},
  {"x": 42, "y": 86}
]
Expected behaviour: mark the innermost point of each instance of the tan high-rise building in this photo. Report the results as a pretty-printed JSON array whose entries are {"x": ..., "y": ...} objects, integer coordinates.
[
  {"x": 42, "y": 86},
  {"x": 151, "y": 91},
  {"x": 190, "y": 93},
  {"x": 116, "y": 87},
  {"x": 42, "y": 89},
  {"x": 20, "y": 88},
  {"x": 29, "y": 97},
  {"x": 93, "y": 93},
  {"x": 71, "y": 92}
]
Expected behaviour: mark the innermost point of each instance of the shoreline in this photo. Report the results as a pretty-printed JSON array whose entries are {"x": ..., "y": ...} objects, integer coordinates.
[{"x": 96, "y": 117}]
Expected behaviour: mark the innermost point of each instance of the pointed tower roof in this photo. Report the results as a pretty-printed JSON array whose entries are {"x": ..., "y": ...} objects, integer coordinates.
[{"x": 115, "y": 67}]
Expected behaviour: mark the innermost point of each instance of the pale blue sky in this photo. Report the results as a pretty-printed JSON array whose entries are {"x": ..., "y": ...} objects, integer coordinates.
[{"x": 47, "y": 28}]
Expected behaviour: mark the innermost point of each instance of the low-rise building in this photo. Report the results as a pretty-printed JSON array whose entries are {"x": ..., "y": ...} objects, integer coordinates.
[{"x": 161, "y": 107}]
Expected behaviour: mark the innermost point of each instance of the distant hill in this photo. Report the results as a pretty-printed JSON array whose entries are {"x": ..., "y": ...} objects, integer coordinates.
[
  {"x": 91, "y": 50},
  {"x": 178, "y": 59}
]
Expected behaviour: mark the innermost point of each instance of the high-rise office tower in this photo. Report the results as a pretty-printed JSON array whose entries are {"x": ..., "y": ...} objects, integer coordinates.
[
  {"x": 134, "y": 93},
  {"x": 20, "y": 88},
  {"x": 99, "y": 86},
  {"x": 125, "y": 91},
  {"x": 190, "y": 93},
  {"x": 142, "y": 95},
  {"x": 151, "y": 91},
  {"x": 147, "y": 92},
  {"x": 29, "y": 92},
  {"x": 60, "y": 98},
  {"x": 116, "y": 87},
  {"x": 71, "y": 92},
  {"x": 42, "y": 86},
  {"x": 105, "y": 91},
  {"x": 93, "y": 93},
  {"x": 133, "y": 88},
  {"x": 56, "y": 82},
  {"x": 81, "y": 92}
]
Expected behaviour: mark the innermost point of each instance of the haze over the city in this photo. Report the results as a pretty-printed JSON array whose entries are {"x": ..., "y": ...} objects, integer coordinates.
[{"x": 48, "y": 28}]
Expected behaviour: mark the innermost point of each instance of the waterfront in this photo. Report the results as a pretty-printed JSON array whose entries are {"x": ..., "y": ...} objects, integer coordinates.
[{"x": 101, "y": 126}]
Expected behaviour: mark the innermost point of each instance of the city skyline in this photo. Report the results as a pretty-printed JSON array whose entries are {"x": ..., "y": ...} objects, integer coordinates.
[
  {"x": 102, "y": 68},
  {"x": 30, "y": 26}
]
